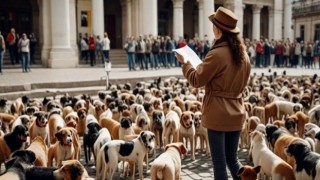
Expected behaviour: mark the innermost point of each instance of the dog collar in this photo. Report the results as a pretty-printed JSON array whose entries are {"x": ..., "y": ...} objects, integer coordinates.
[{"x": 42, "y": 126}]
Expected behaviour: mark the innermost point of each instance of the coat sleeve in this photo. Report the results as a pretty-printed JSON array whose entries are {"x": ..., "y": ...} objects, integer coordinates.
[{"x": 204, "y": 72}]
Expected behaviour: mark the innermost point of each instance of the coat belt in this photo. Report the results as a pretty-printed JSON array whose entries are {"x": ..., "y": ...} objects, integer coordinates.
[{"x": 227, "y": 95}]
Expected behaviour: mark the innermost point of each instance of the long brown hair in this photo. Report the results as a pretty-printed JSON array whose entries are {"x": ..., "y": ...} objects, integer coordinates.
[{"x": 237, "y": 47}]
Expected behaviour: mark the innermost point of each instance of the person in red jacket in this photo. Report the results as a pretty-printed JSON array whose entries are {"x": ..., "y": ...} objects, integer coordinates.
[
  {"x": 259, "y": 52},
  {"x": 11, "y": 39},
  {"x": 92, "y": 50},
  {"x": 279, "y": 54}
]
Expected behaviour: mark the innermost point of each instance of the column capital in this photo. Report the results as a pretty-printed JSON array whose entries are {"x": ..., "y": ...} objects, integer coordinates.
[
  {"x": 200, "y": 4},
  {"x": 177, "y": 3},
  {"x": 257, "y": 8}
]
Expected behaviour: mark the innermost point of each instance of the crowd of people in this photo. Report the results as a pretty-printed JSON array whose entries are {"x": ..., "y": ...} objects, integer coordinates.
[
  {"x": 94, "y": 48},
  {"x": 283, "y": 53},
  {"x": 21, "y": 49},
  {"x": 154, "y": 52}
]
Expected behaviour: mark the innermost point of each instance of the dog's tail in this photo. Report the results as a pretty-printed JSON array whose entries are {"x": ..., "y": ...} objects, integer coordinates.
[{"x": 157, "y": 170}]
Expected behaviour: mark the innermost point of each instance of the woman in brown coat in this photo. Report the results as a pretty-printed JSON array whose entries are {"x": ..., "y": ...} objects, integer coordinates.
[{"x": 224, "y": 73}]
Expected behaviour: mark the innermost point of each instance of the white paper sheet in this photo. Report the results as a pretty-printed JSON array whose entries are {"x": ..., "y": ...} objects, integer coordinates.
[{"x": 189, "y": 55}]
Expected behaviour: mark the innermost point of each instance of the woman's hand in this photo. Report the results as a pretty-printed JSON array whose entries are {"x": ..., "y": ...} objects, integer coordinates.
[{"x": 179, "y": 58}]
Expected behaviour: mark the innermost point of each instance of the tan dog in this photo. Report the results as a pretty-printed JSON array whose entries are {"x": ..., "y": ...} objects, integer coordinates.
[
  {"x": 187, "y": 130},
  {"x": 252, "y": 124},
  {"x": 72, "y": 116},
  {"x": 113, "y": 126},
  {"x": 81, "y": 125},
  {"x": 7, "y": 118},
  {"x": 66, "y": 110},
  {"x": 17, "y": 108},
  {"x": 279, "y": 147},
  {"x": 168, "y": 164},
  {"x": 22, "y": 120},
  {"x": 143, "y": 122},
  {"x": 66, "y": 148},
  {"x": 72, "y": 170},
  {"x": 55, "y": 122},
  {"x": 201, "y": 133},
  {"x": 249, "y": 173},
  {"x": 301, "y": 120},
  {"x": 40, "y": 150},
  {"x": 260, "y": 112},
  {"x": 40, "y": 127},
  {"x": 171, "y": 128}
]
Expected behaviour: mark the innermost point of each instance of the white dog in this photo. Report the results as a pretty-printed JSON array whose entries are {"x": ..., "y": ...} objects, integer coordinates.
[
  {"x": 103, "y": 137},
  {"x": 171, "y": 128},
  {"x": 132, "y": 151},
  {"x": 271, "y": 165}
]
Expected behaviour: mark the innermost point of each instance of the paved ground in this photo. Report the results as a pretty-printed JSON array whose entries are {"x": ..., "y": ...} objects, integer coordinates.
[{"x": 201, "y": 168}]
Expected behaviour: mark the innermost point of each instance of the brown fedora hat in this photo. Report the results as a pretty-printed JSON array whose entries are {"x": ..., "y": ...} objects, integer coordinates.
[{"x": 225, "y": 19}]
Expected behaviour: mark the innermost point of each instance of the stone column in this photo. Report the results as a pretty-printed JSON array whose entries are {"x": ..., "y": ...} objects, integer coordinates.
[
  {"x": 256, "y": 22},
  {"x": 73, "y": 30},
  {"x": 97, "y": 18},
  {"x": 201, "y": 18},
  {"x": 45, "y": 14},
  {"x": 238, "y": 11},
  {"x": 177, "y": 18},
  {"x": 208, "y": 9},
  {"x": 278, "y": 24},
  {"x": 149, "y": 17},
  {"x": 288, "y": 20},
  {"x": 129, "y": 18},
  {"x": 271, "y": 22},
  {"x": 62, "y": 55}
]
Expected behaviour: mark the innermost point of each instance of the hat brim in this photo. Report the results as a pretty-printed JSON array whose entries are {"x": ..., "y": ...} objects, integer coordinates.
[{"x": 213, "y": 20}]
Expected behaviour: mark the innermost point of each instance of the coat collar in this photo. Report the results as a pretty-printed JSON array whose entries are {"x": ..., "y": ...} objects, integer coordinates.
[{"x": 219, "y": 44}]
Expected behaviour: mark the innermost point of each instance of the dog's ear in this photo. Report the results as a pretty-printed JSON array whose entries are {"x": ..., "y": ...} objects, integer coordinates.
[
  {"x": 257, "y": 169},
  {"x": 10, "y": 162},
  {"x": 241, "y": 170},
  {"x": 192, "y": 115},
  {"x": 59, "y": 135},
  {"x": 183, "y": 149}
]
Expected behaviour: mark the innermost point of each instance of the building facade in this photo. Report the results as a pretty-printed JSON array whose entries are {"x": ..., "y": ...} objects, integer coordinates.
[
  {"x": 306, "y": 19},
  {"x": 58, "y": 23}
]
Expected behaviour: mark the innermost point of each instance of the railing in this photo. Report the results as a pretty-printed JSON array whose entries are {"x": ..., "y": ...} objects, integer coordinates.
[{"x": 305, "y": 9}]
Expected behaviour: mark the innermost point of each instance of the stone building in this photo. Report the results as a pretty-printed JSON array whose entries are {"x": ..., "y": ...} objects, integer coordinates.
[
  {"x": 306, "y": 19},
  {"x": 58, "y": 23}
]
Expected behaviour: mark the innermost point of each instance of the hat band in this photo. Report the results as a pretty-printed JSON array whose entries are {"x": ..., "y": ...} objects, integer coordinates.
[{"x": 226, "y": 25}]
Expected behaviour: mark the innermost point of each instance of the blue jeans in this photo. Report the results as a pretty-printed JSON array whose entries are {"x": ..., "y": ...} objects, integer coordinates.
[
  {"x": 131, "y": 62},
  {"x": 105, "y": 55},
  {"x": 25, "y": 61},
  {"x": 224, "y": 146},
  {"x": 1, "y": 60},
  {"x": 156, "y": 60}
]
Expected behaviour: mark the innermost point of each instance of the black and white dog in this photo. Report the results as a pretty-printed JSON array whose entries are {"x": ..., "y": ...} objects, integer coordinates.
[
  {"x": 90, "y": 138},
  {"x": 15, "y": 167},
  {"x": 307, "y": 162},
  {"x": 132, "y": 151}
]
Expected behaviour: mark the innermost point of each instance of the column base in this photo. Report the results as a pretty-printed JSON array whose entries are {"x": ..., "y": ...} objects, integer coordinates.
[
  {"x": 63, "y": 58},
  {"x": 45, "y": 54}
]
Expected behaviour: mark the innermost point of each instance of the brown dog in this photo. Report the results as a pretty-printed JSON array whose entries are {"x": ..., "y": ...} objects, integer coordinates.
[
  {"x": 67, "y": 147},
  {"x": 113, "y": 126},
  {"x": 40, "y": 150},
  {"x": 168, "y": 164},
  {"x": 187, "y": 130},
  {"x": 81, "y": 124},
  {"x": 301, "y": 119},
  {"x": 55, "y": 122},
  {"x": 72, "y": 170},
  {"x": 249, "y": 173},
  {"x": 279, "y": 147},
  {"x": 7, "y": 118}
]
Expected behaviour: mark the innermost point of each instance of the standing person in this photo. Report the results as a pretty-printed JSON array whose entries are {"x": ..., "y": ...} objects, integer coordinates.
[
  {"x": 278, "y": 54},
  {"x": 106, "y": 47},
  {"x": 266, "y": 53},
  {"x": 206, "y": 48},
  {"x": 224, "y": 73},
  {"x": 286, "y": 53},
  {"x": 251, "y": 53},
  {"x": 297, "y": 53},
  {"x": 169, "y": 48},
  {"x": 259, "y": 51},
  {"x": 309, "y": 51},
  {"x": 130, "y": 47},
  {"x": 140, "y": 50},
  {"x": 92, "y": 50},
  {"x": 33, "y": 43},
  {"x": 148, "y": 53},
  {"x": 24, "y": 45},
  {"x": 316, "y": 54},
  {"x": 155, "y": 49},
  {"x": 99, "y": 49},
  {"x": 2, "y": 50},
  {"x": 11, "y": 39},
  {"x": 84, "y": 49},
  {"x": 163, "y": 57}
]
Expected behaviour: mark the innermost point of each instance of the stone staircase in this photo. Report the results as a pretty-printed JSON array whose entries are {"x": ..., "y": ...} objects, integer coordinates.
[{"x": 118, "y": 58}]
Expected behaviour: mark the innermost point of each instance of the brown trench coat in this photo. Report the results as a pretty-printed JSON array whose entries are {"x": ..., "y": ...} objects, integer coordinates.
[{"x": 224, "y": 82}]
